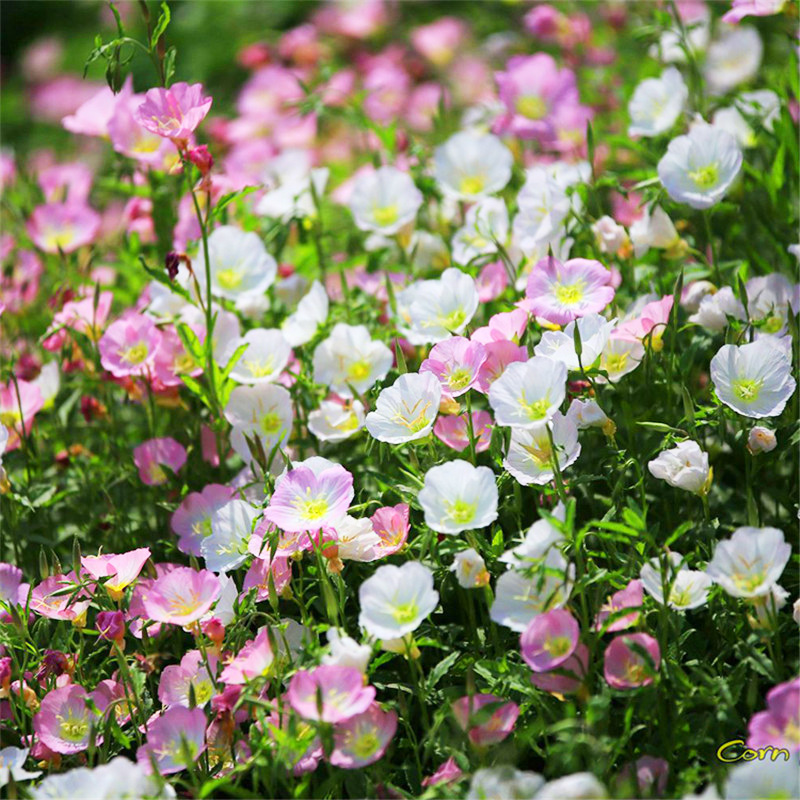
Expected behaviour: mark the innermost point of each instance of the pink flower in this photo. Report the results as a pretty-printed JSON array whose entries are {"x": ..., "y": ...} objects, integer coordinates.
[
  {"x": 391, "y": 525},
  {"x": 651, "y": 775},
  {"x": 174, "y": 740},
  {"x": 629, "y": 597},
  {"x": 172, "y": 361},
  {"x": 752, "y": 8},
  {"x": 560, "y": 293},
  {"x": 305, "y": 501},
  {"x": 568, "y": 677},
  {"x": 13, "y": 591},
  {"x": 81, "y": 316},
  {"x": 484, "y": 729},
  {"x": 454, "y": 431},
  {"x": 499, "y": 355},
  {"x": 533, "y": 89},
  {"x": 63, "y": 227},
  {"x": 64, "y": 720},
  {"x": 448, "y": 771},
  {"x": 137, "y": 142},
  {"x": 111, "y": 626},
  {"x": 179, "y": 681},
  {"x": 253, "y": 661},
  {"x": 363, "y": 739},
  {"x": 19, "y": 404},
  {"x": 624, "y": 668},
  {"x": 329, "y": 693},
  {"x": 778, "y": 726},
  {"x": 491, "y": 282},
  {"x": 545, "y": 22},
  {"x": 151, "y": 456},
  {"x": 549, "y": 640},
  {"x": 173, "y": 113},
  {"x": 271, "y": 577},
  {"x": 129, "y": 345},
  {"x": 439, "y": 41},
  {"x": 456, "y": 363},
  {"x": 55, "y": 598},
  {"x": 92, "y": 117},
  {"x": 182, "y": 596},
  {"x": 120, "y": 569},
  {"x": 192, "y": 519},
  {"x": 505, "y": 326},
  {"x": 649, "y": 325},
  {"x": 69, "y": 183}
]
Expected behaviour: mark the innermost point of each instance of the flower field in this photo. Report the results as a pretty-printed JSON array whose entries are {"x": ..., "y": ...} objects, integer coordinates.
[{"x": 399, "y": 400}]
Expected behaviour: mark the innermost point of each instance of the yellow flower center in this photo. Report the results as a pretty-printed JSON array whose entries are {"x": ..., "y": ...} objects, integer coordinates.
[
  {"x": 366, "y": 745},
  {"x": 705, "y": 177},
  {"x": 135, "y": 354},
  {"x": 10, "y": 418},
  {"x": 461, "y": 511},
  {"x": 540, "y": 453},
  {"x": 259, "y": 369},
  {"x": 72, "y": 729},
  {"x": 405, "y": 613},
  {"x": 414, "y": 423},
  {"x": 537, "y": 409},
  {"x": 312, "y": 508},
  {"x": 472, "y": 184},
  {"x": 569, "y": 294},
  {"x": 557, "y": 645},
  {"x": 359, "y": 370},
  {"x": 385, "y": 215},
  {"x": 748, "y": 583},
  {"x": 679, "y": 597},
  {"x": 747, "y": 389},
  {"x": 230, "y": 278},
  {"x": 531, "y": 106},
  {"x": 271, "y": 423},
  {"x": 59, "y": 238},
  {"x": 453, "y": 320},
  {"x": 348, "y": 424},
  {"x": 203, "y": 692},
  {"x": 615, "y": 362}
]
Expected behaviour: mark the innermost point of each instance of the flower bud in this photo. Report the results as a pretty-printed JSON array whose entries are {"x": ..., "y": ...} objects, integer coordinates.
[
  {"x": 761, "y": 440},
  {"x": 111, "y": 625},
  {"x": 201, "y": 158}
]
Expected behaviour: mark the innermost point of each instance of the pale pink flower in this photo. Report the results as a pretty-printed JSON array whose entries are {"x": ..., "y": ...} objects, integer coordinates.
[
  {"x": 651, "y": 775},
  {"x": 456, "y": 363},
  {"x": 649, "y": 326},
  {"x": 192, "y": 519},
  {"x": 391, "y": 525},
  {"x": 329, "y": 693},
  {"x": 173, "y": 113},
  {"x": 752, "y": 8},
  {"x": 499, "y": 354},
  {"x": 178, "y": 680},
  {"x": 491, "y": 282},
  {"x": 778, "y": 726},
  {"x": 119, "y": 569},
  {"x": 181, "y": 596},
  {"x": 629, "y": 597},
  {"x": 549, "y": 640},
  {"x": 568, "y": 677},
  {"x": 174, "y": 740},
  {"x": 363, "y": 739},
  {"x": 560, "y": 293},
  {"x": 447, "y": 772},
  {"x": 91, "y": 117},
  {"x": 66, "y": 183},
  {"x": 253, "y": 661},
  {"x": 129, "y": 345},
  {"x": 13, "y": 591},
  {"x": 63, "y": 227},
  {"x": 269, "y": 576},
  {"x": 454, "y": 431},
  {"x": 19, "y": 404},
  {"x": 64, "y": 720},
  {"x": 153, "y": 455},
  {"x": 483, "y": 728},
  {"x": 439, "y": 41},
  {"x": 80, "y": 315},
  {"x": 56, "y": 598},
  {"x": 624, "y": 668},
  {"x": 173, "y": 361},
  {"x": 135, "y": 141}
]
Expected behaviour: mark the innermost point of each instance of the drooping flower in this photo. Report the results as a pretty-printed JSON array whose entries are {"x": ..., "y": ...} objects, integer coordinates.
[
  {"x": 531, "y": 453},
  {"x": 528, "y": 394},
  {"x": 560, "y": 293},
  {"x": 362, "y": 739},
  {"x": 175, "y": 740},
  {"x": 153, "y": 455},
  {"x": 456, "y": 362},
  {"x": 624, "y": 667},
  {"x": 406, "y": 410},
  {"x": 384, "y": 201},
  {"x": 750, "y": 562},
  {"x": 174, "y": 113},
  {"x": 753, "y": 379},
  {"x": 685, "y": 588},
  {"x": 329, "y": 693},
  {"x": 395, "y": 600},
  {"x": 483, "y": 728},
  {"x": 129, "y": 346},
  {"x": 699, "y": 168},
  {"x": 657, "y": 103},
  {"x": 549, "y": 640},
  {"x": 470, "y": 166},
  {"x": 181, "y": 596},
  {"x": 447, "y": 772},
  {"x": 63, "y": 227},
  {"x": 457, "y": 496},
  {"x": 685, "y": 466}
]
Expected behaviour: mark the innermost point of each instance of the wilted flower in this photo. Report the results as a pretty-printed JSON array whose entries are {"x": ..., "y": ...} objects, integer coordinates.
[
  {"x": 761, "y": 440},
  {"x": 470, "y": 569}
]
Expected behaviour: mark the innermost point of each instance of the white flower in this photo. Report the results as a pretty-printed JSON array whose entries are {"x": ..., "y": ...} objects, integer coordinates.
[
  {"x": 586, "y": 414},
  {"x": 406, "y": 410},
  {"x": 685, "y": 466},
  {"x": 687, "y": 588},
  {"x": 653, "y": 229},
  {"x": 730, "y": 120},
  {"x": 796, "y": 611},
  {"x": 485, "y": 223},
  {"x": 769, "y": 298},
  {"x": 12, "y": 765},
  {"x": 443, "y": 307},
  {"x": 753, "y": 379},
  {"x": 470, "y": 569},
  {"x": 239, "y": 263},
  {"x": 610, "y": 235},
  {"x": 714, "y": 310},
  {"x": 456, "y": 496},
  {"x": 426, "y": 250},
  {"x": 750, "y": 562},
  {"x": 620, "y": 357},
  {"x": 470, "y": 166},
  {"x": 225, "y": 548},
  {"x": 519, "y": 598},
  {"x": 578, "y": 786},
  {"x": 530, "y": 455},
  {"x": 395, "y": 600},
  {"x": 48, "y": 381},
  {"x": 761, "y": 440},
  {"x": 333, "y": 422},
  {"x": 543, "y": 206},
  {"x": 503, "y": 783},
  {"x": 670, "y": 47},
  {"x": 350, "y": 358},
  {"x": 290, "y": 176},
  {"x": 594, "y": 332},
  {"x": 385, "y": 200},
  {"x": 540, "y": 537},
  {"x": 262, "y": 412},
  {"x": 767, "y": 780},
  {"x": 263, "y": 361},
  {"x": 356, "y": 539},
  {"x": 346, "y": 652},
  {"x": 312, "y": 310},
  {"x": 528, "y": 393},
  {"x": 698, "y": 169},
  {"x": 734, "y": 58},
  {"x": 657, "y": 103}
]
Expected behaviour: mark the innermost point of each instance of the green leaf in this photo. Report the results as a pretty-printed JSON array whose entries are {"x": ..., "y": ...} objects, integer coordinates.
[{"x": 161, "y": 26}]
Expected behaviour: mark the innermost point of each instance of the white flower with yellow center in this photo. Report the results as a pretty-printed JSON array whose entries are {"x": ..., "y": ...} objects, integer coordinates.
[
  {"x": 312, "y": 310},
  {"x": 657, "y": 103},
  {"x": 684, "y": 588},
  {"x": 528, "y": 393},
  {"x": 231, "y": 526},
  {"x": 531, "y": 452},
  {"x": 440, "y": 308},
  {"x": 543, "y": 208},
  {"x": 406, "y": 410},
  {"x": 262, "y": 412},
  {"x": 457, "y": 496},
  {"x": 594, "y": 332},
  {"x": 470, "y": 166},
  {"x": 485, "y": 226},
  {"x": 733, "y": 58},
  {"x": 263, "y": 361},
  {"x": 384, "y": 201},
  {"x": 334, "y": 422}
]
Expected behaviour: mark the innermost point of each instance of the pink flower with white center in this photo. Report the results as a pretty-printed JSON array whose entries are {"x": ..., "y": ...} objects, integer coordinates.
[
  {"x": 632, "y": 596},
  {"x": 447, "y": 772},
  {"x": 192, "y": 519},
  {"x": 505, "y": 326},
  {"x": 491, "y": 282},
  {"x": 305, "y": 501},
  {"x": 649, "y": 326},
  {"x": 153, "y": 455},
  {"x": 391, "y": 525},
  {"x": 129, "y": 345},
  {"x": 55, "y": 598},
  {"x": 561, "y": 292},
  {"x": 63, "y": 721},
  {"x": 568, "y": 677},
  {"x": 253, "y": 661},
  {"x": 269, "y": 576},
  {"x": 120, "y": 569},
  {"x": 499, "y": 355},
  {"x": 362, "y": 740},
  {"x": 624, "y": 667},
  {"x": 181, "y": 596},
  {"x": 329, "y": 693},
  {"x": 178, "y": 680},
  {"x": 19, "y": 404},
  {"x": 549, "y": 640},
  {"x": 174, "y": 740},
  {"x": 779, "y": 725},
  {"x": 454, "y": 431},
  {"x": 173, "y": 113},
  {"x": 483, "y": 728},
  {"x": 63, "y": 227},
  {"x": 456, "y": 363},
  {"x": 533, "y": 89}
]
